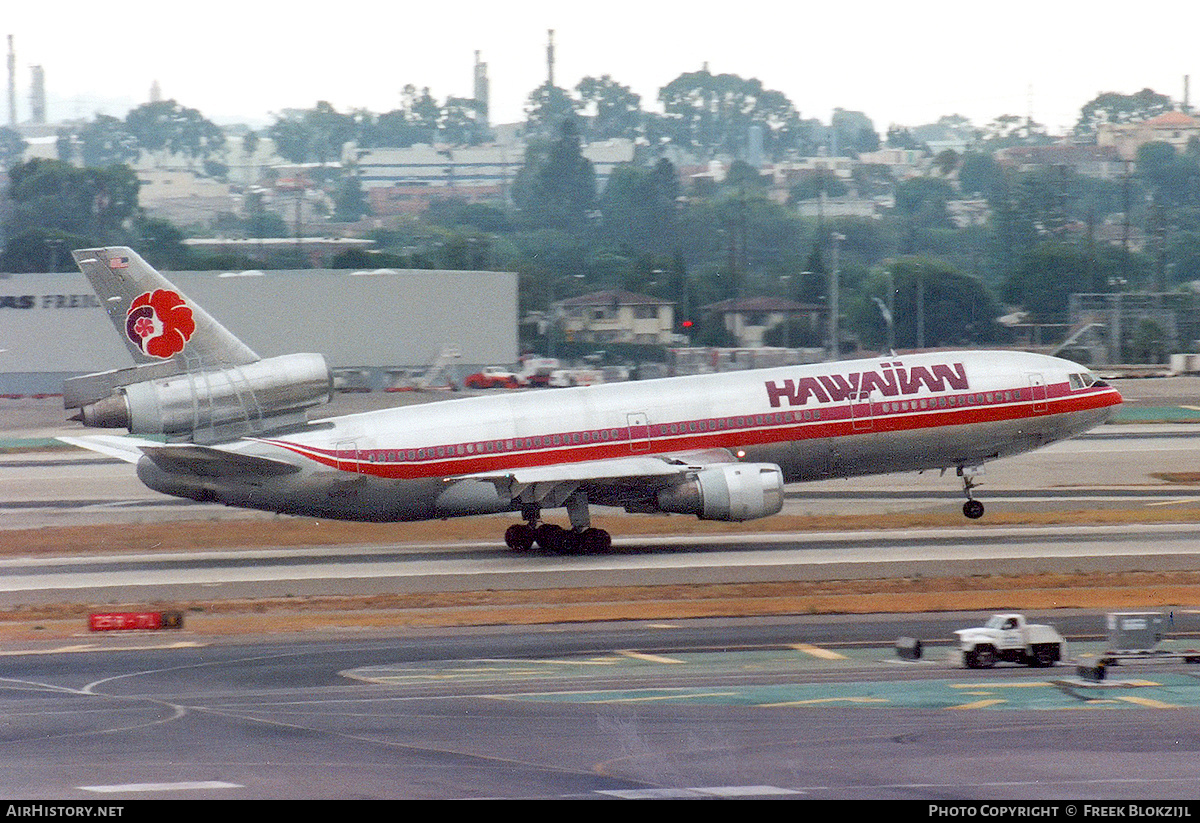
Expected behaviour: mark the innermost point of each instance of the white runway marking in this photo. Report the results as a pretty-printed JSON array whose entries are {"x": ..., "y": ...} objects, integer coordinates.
[{"x": 162, "y": 787}]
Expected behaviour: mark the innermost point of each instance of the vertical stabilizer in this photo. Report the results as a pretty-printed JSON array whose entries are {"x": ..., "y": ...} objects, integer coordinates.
[{"x": 154, "y": 319}]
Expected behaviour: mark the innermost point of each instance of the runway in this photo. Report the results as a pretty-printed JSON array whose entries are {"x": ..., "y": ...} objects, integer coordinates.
[
  {"x": 661, "y": 561},
  {"x": 790, "y": 707}
]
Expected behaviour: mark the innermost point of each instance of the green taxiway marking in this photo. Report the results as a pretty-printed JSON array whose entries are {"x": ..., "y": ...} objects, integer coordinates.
[{"x": 551, "y": 680}]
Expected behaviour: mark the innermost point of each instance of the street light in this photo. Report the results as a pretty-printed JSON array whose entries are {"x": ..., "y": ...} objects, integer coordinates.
[
  {"x": 887, "y": 318},
  {"x": 834, "y": 280}
]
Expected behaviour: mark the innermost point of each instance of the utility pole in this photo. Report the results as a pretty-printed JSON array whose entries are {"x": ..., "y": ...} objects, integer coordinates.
[
  {"x": 920, "y": 307},
  {"x": 834, "y": 282},
  {"x": 12, "y": 84}
]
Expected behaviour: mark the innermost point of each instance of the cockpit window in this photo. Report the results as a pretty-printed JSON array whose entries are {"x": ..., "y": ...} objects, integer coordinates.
[{"x": 1082, "y": 381}]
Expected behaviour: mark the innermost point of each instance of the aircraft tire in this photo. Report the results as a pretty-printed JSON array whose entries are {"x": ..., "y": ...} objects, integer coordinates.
[
  {"x": 519, "y": 537},
  {"x": 973, "y": 509},
  {"x": 550, "y": 537},
  {"x": 596, "y": 541}
]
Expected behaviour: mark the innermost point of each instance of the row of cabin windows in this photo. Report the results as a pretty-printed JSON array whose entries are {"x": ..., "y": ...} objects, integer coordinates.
[{"x": 694, "y": 426}]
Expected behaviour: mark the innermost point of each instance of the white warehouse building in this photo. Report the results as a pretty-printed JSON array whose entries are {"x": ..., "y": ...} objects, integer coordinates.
[{"x": 52, "y": 326}]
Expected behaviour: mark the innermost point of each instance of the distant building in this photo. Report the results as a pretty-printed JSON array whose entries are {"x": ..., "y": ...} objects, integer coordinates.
[
  {"x": 617, "y": 317},
  {"x": 182, "y": 196},
  {"x": 1100, "y": 161},
  {"x": 1125, "y": 139},
  {"x": 903, "y": 163},
  {"x": 749, "y": 319},
  {"x": 407, "y": 180},
  {"x": 319, "y": 251}
]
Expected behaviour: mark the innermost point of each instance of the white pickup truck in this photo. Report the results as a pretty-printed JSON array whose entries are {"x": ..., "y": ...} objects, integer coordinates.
[{"x": 1009, "y": 638}]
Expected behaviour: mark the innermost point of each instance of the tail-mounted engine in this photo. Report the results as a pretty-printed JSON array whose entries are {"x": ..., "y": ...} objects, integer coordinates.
[
  {"x": 732, "y": 492},
  {"x": 206, "y": 405}
]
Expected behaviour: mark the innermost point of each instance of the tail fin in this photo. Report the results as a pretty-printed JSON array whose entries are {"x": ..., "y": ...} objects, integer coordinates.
[
  {"x": 192, "y": 379},
  {"x": 154, "y": 319}
]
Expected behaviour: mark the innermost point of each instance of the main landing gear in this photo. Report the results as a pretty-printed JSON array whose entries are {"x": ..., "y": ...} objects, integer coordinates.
[
  {"x": 581, "y": 538},
  {"x": 972, "y": 508},
  {"x": 521, "y": 537}
]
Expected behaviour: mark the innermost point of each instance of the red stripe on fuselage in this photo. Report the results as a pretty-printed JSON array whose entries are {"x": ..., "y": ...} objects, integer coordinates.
[{"x": 768, "y": 428}]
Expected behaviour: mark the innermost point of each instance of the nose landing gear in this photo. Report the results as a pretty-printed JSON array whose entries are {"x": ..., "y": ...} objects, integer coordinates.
[{"x": 972, "y": 508}]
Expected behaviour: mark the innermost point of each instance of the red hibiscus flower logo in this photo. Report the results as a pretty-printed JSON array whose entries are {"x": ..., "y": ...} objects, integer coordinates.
[{"x": 160, "y": 323}]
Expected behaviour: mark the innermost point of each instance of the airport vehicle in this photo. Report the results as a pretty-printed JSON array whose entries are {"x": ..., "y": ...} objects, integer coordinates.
[
  {"x": 492, "y": 377},
  {"x": 234, "y": 427},
  {"x": 1009, "y": 638}
]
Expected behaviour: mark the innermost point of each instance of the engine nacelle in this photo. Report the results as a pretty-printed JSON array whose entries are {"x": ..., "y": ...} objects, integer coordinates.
[
  {"x": 278, "y": 387},
  {"x": 733, "y": 492}
]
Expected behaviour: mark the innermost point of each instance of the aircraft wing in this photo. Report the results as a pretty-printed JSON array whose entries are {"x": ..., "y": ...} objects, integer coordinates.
[
  {"x": 611, "y": 469},
  {"x": 183, "y": 457},
  {"x": 618, "y": 481}
]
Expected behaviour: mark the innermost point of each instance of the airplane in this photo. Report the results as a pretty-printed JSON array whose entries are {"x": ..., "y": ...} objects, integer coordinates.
[{"x": 210, "y": 420}]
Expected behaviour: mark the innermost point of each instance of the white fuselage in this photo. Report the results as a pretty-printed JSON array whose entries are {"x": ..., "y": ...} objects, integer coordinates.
[{"x": 840, "y": 419}]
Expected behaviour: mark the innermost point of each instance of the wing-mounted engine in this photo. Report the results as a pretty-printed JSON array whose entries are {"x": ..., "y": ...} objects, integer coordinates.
[
  {"x": 204, "y": 405},
  {"x": 733, "y": 492}
]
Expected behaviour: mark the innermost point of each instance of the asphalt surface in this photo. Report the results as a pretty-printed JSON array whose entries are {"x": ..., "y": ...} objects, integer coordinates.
[{"x": 793, "y": 707}]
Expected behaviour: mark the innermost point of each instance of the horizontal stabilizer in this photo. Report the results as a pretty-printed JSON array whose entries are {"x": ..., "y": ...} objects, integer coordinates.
[
  {"x": 183, "y": 457},
  {"x": 128, "y": 449}
]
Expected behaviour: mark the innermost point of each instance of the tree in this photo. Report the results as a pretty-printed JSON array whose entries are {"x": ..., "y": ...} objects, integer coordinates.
[
  {"x": 921, "y": 202},
  {"x": 608, "y": 108},
  {"x": 349, "y": 200},
  {"x": 462, "y": 122},
  {"x": 39, "y": 250},
  {"x": 932, "y": 304},
  {"x": 90, "y": 202},
  {"x": 547, "y": 108},
  {"x": 946, "y": 161},
  {"x": 899, "y": 137},
  {"x": 556, "y": 188},
  {"x": 712, "y": 114},
  {"x": 1113, "y": 107},
  {"x": 106, "y": 142},
  {"x": 978, "y": 173},
  {"x": 396, "y": 129},
  {"x": 12, "y": 147},
  {"x": 314, "y": 135},
  {"x": 166, "y": 126},
  {"x": 811, "y": 185},
  {"x": 854, "y": 132},
  {"x": 1173, "y": 178},
  {"x": 638, "y": 208},
  {"x": 161, "y": 243},
  {"x": 1048, "y": 273}
]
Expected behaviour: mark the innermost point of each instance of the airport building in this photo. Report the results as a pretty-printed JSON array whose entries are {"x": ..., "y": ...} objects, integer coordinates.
[{"x": 369, "y": 325}]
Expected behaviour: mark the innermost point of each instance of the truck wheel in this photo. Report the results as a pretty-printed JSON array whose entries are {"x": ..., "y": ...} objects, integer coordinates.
[
  {"x": 980, "y": 657},
  {"x": 1044, "y": 655}
]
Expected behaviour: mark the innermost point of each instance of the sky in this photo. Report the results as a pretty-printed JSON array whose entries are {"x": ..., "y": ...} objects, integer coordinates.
[{"x": 903, "y": 63}]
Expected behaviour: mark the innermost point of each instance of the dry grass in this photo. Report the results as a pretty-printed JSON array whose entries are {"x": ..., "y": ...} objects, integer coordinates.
[
  {"x": 1143, "y": 590},
  {"x": 291, "y": 532}
]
